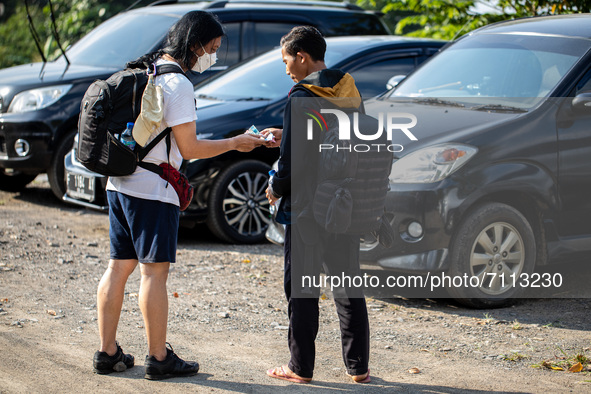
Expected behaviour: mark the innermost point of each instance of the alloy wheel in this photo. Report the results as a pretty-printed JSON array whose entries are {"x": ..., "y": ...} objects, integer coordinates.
[
  {"x": 245, "y": 205},
  {"x": 497, "y": 258}
]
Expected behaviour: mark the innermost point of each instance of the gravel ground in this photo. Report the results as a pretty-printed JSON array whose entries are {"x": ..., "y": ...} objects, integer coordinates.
[{"x": 227, "y": 311}]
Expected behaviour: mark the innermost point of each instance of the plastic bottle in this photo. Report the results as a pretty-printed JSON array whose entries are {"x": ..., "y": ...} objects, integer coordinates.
[
  {"x": 271, "y": 173},
  {"x": 272, "y": 208},
  {"x": 127, "y": 137}
]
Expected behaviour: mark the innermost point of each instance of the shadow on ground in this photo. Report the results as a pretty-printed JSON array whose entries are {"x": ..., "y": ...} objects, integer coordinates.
[{"x": 204, "y": 381}]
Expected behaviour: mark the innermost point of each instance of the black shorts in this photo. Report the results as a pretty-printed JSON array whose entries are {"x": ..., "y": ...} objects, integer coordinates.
[{"x": 143, "y": 230}]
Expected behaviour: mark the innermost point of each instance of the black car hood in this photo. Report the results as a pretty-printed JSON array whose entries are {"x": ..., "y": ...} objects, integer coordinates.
[
  {"x": 437, "y": 123},
  {"x": 33, "y": 75},
  {"x": 215, "y": 116}
]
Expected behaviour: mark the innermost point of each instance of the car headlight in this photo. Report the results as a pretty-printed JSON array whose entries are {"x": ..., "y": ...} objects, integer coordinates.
[
  {"x": 431, "y": 164},
  {"x": 35, "y": 99}
]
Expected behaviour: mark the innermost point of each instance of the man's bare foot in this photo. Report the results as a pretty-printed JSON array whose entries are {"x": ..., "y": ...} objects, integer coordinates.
[
  {"x": 363, "y": 378},
  {"x": 284, "y": 373}
]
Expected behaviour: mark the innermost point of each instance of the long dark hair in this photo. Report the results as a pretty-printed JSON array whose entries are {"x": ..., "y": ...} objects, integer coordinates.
[{"x": 195, "y": 27}]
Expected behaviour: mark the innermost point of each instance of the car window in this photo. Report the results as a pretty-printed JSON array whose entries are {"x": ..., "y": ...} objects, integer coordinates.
[
  {"x": 353, "y": 25},
  {"x": 584, "y": 84},
  {"x": 261, "y": 78},
  {"x": 371, "y": 78},
  {"x": 110, "y": 43},
  {"x": 516, "y": 69},
  {"x": 268, "y": 35},
  {"x": 229, "y": 52}
]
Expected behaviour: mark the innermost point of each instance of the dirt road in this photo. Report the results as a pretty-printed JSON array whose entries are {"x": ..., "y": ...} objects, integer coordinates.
[{"x": 227, "y": 311}]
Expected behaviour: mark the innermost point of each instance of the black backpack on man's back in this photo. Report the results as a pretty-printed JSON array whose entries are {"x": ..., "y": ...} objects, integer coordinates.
[
  {"x": 352, "y": 181},
  {"x": 105, "y": 110}
]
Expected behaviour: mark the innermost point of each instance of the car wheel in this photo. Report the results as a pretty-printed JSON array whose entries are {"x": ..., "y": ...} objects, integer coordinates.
[
  {"x": 494, "y": 244},
  {"x": 15, "y": 181},
  {"x": 238, "y": 208},
  {"x": 56, "y": 172}
]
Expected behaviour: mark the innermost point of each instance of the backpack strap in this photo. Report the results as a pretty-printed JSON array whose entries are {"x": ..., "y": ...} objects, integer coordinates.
[
  {"x": 166, "y": 69},
  {"x": 152, "y": 168},
  {"x": 158, "y": 70},
  {"x": 145, "y": 150}
]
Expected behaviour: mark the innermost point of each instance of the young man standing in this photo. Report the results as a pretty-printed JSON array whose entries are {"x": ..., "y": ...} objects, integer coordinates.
[{"x": 307, "y": 245}]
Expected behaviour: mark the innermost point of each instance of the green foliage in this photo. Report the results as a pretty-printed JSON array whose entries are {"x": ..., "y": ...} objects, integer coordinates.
[
  {"x": 449, "y": 19},
  {"x": 391, "y": 16},
  {"x": 522, "y": 8},
  {"x": 443, "y": 19},
  {"x": 73, "y": 18},
  {"x": 16, "y": 47},
  {"x": 9, "y": 7}
]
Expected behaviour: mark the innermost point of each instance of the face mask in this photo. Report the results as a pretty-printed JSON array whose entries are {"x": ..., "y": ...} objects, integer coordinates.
[{"x": 204, "y": 62}]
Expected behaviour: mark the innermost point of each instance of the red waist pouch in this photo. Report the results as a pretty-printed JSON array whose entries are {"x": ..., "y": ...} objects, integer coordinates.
[{"x": 179, "y": 182}]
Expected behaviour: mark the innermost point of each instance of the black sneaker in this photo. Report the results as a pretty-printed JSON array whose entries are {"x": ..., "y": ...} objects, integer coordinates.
[
  {"x": 172, "y": 366},
  {"x": 105, "y": 364}
]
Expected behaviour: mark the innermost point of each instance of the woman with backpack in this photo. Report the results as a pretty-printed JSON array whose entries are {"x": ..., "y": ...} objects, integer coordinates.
[{"x": 144, "y": 209}]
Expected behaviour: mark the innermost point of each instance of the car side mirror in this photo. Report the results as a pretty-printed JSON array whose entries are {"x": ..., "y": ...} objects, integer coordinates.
[
  {"x": 582, "y": 102},
  {"x": 395, "y": 80}
]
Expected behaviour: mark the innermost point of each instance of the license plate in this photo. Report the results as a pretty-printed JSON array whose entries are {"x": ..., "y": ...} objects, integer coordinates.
[{"x": 81, "y": 186}]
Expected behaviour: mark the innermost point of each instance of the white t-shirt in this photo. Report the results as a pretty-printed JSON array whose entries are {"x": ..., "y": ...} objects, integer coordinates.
[{"x": 179, "y": 108}]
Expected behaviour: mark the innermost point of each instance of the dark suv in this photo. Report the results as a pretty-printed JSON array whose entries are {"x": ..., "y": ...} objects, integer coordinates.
[
  {"x": 39, "y": 103},
  {"x": 497, "y": 183}
]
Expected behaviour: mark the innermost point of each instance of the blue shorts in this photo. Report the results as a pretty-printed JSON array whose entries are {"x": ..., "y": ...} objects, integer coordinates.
[{"x": 143, "y": 230}]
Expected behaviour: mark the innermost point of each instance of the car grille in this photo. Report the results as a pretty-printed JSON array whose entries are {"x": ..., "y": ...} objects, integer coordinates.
[{"x": 2, "y": 146}]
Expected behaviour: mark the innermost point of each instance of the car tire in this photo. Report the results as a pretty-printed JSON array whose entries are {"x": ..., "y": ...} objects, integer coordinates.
[
  {"x": 16, "y": 181},
  {"x": 56, "y": 172},
  {"x": 238, "y": 207},
  {"x": 495, "y": 238}
]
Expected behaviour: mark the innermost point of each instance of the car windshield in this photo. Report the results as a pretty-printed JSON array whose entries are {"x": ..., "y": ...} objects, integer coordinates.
[
  {"x": 262, "y": 78},
  {"x": 109, "y": 45},
  {"x": 506, "y": 70}
]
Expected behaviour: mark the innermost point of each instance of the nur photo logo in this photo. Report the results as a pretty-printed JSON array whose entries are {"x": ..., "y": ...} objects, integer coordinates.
[{"x": 351, "y": 129}]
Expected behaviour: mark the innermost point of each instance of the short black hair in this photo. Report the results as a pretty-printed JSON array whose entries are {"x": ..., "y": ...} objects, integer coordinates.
[
  {"x": 305, "y": 39},
  {"x": 195, "y": 27}
]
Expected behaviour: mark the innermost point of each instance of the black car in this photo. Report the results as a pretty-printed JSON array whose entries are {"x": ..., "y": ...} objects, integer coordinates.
[
  {"x": 39, "y": 103},
  {"x": 230, "y": 188},
  {"x": 498, "y": 183}
]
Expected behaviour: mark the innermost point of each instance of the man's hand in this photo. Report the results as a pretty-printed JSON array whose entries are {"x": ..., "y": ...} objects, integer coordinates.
[
  {"x": 272, "y": 199},
  {"x": 277, "y": 133},
  {"x": 246, "y": 142}
]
